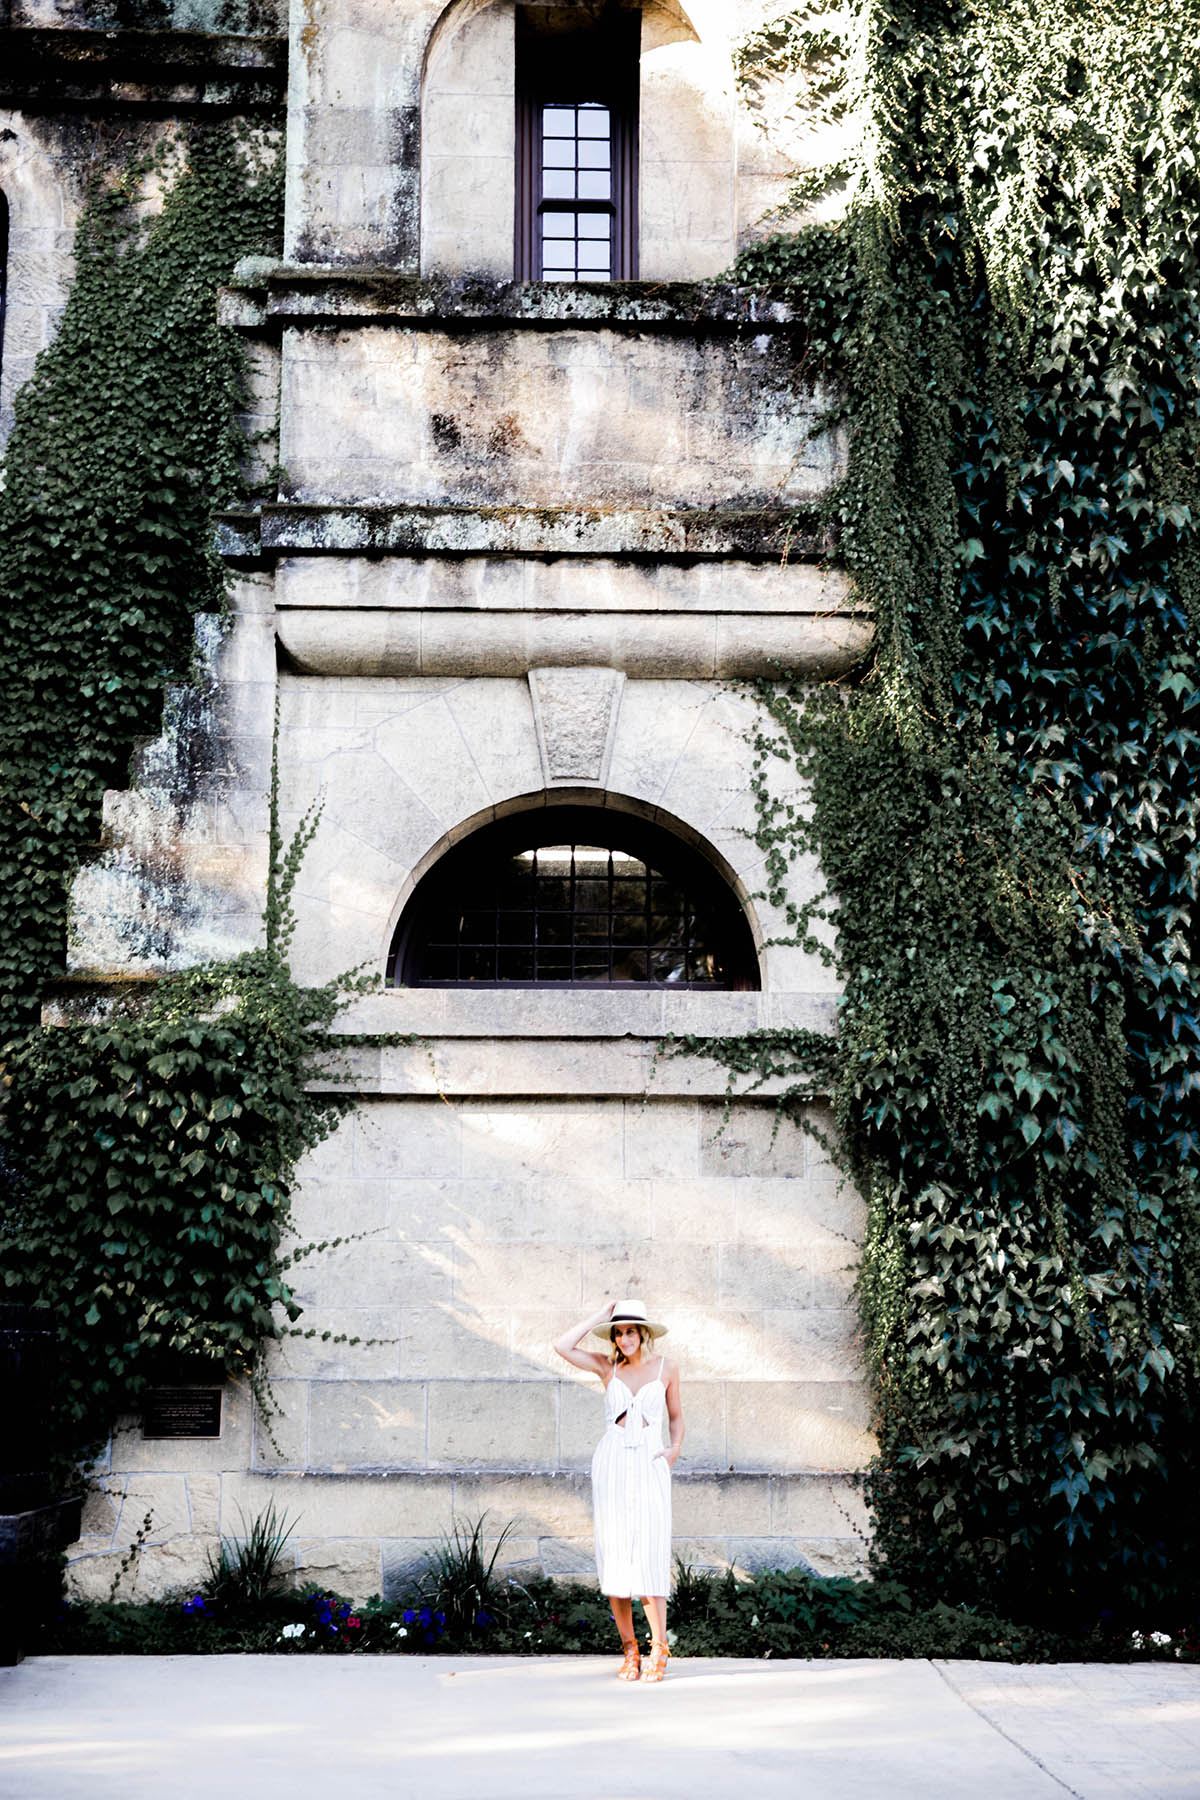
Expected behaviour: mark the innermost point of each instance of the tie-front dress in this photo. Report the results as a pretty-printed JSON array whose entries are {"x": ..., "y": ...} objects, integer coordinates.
[{"x": 631, "y": 1492}]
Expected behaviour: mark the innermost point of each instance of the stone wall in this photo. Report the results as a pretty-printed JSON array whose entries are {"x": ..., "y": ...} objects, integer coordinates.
[{"x": 481, "y": 1228}]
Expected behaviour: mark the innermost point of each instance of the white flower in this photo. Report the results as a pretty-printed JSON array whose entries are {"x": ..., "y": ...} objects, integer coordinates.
[
  {"x": 671, "y": 1639},
  {"x": 754, "y": 1621},
  {"x": 400, "y": 1630},
  {"x": 1137, "y": 1641},
  {"x": 1159, "y": 1637},
  {"x": 292, "y": 1631},
  {"x": 529, "y": 1634}
]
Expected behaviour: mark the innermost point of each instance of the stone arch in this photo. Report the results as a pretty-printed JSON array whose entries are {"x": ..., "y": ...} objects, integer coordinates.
[
  {"x": 468, "y": 142},
  {"x": 669, "y": 825}
]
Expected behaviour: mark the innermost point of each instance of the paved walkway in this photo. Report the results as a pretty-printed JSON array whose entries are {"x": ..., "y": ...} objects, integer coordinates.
[{"x": 222, "y": 1727}]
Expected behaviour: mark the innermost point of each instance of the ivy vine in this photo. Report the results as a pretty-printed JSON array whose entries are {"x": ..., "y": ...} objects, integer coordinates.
[
  {"x": 1004, "y": 801},
  {"x": 147, "y": 1159}
]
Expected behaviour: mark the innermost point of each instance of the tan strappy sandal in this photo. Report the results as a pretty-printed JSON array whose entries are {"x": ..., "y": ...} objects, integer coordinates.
[
  {"x": 656, "y": 1666},
  {"x": 631, "y": 1664}
]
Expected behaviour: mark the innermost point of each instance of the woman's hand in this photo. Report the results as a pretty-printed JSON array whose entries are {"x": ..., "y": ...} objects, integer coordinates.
[{"x": 670, "y": 1457}]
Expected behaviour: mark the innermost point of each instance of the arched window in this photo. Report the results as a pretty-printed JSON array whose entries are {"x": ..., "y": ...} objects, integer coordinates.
[
  {"x": 577, "y": 95},
  {"x": 573, "y": 896}
]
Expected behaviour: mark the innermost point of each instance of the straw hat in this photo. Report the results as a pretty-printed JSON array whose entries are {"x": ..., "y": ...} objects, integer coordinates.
[{"x": 629, "y": 1312}]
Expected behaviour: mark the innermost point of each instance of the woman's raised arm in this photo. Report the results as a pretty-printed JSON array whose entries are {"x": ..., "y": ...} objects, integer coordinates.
[{"x": 568, "y": 1344}]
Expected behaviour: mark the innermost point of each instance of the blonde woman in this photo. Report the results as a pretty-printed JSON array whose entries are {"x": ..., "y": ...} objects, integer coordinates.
[{"x": 631, "y": 1472}]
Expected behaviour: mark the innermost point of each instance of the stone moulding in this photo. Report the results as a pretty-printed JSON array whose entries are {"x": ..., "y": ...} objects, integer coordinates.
[
  {"x": 312, "y": 529},
  {"x": 147, "y": 73},
  {"x": 266, "y": 296},
  {"x": 393, "y": 643}
]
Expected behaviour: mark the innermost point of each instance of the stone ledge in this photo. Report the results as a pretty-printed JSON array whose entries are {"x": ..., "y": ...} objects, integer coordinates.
[
  {"x": 311, "y": 529},
  {"x": 660, "y": 645},
  {"x": 151, "y": 73},
  {"x": 267, "y": 295}
]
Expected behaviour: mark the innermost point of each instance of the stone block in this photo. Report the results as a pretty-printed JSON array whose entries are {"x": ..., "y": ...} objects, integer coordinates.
[
  {"x": 344, "y": 1207},
  {"x": 404, "y": 1561},
  {"x": 370, "y": 1350},
  {"x": 164, "y": 1497},
  {"x": 493, "y": 1275},
  {"x": 376, "y": 1271},
  {"x": 753, "y": 1276},
  {"x": 366, "y": 1424},
  {"x": 281, "y": 1439},
  {"x": 661, "y": 1273},
  {"x": 573, "y": 1557},
  {"x": 503, "y": 1423},
  {"x": 748, "y": 1143},
  {"x": 753, "y": 1555},
  {"x": 694, "y": 1208},
  {"x": 535, "y": 1505},
  {"x": 787, "y": 1425},
  {"x": 520, "y": 1140},
  {"x": 815, "y": 1344},
  {"x": 816, "y": 1506},
  {"x": 415, "y": 1139},
  {"x": 177, "y": 1567},
  {"x": 343, "y": 1506},
  {"x": 662, "y": 1139},
  {"x": 532, "y": 1334},
  {"x": 825, "y": 1219},
  {"x": 718, "y": 1505},
  {"x": 350, "y": 1567},
  {"x": 204, "y": 1503},
  {"x": 454, "y": 1342},
  {"x": 712, "y": 1344},
  {"x": 101, "y": 1509}
]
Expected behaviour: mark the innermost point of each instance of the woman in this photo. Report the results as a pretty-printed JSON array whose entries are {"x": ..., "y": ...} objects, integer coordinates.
[{"x": 631, "y": 1472}]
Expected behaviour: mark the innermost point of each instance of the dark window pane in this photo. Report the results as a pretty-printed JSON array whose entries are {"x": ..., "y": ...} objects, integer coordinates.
[
  {"x": 629, "y": 896},
  {"x": 554, "y": 965},
  {"x": 591, "y": 928},
  {"x": 554, "y": 928},
  {"x": 667, "y": 966},
  {"x": 515, "y": 965},
  {"x": 591, "y": 968},
  {"x": 516, "y": 928},
  {"x": 629, "y": 965},
  {"x": 477, "y": 965},
  {"x": 629, "y": 928},
  {"x": 590, "y": 896},
  {"x": 478, "y": 927}
]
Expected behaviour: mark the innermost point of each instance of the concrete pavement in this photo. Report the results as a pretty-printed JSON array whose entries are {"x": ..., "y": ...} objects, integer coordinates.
[{"x": 195, "y": 1728}]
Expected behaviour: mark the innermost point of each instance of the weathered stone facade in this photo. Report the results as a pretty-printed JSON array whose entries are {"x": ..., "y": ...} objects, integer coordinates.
[{"x": 528, "y": 541}]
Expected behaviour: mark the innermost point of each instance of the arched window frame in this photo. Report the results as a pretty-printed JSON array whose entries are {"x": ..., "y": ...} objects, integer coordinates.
[{"x": 447, "y": 884}]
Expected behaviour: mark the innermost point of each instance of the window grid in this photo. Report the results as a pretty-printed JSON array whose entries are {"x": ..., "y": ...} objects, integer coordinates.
[
  {"x": 576, "y": 149},
  {"x": 575, "y": 915}
]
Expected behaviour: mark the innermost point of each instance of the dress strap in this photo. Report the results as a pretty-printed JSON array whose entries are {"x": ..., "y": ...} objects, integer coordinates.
[{"x": 662, "y": 1363}]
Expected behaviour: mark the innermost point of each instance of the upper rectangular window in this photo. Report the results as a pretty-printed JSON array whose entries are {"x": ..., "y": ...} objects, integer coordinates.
[{"x": 576, "y": 145}]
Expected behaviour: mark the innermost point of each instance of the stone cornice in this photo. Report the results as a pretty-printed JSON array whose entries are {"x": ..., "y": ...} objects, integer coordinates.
[
  {"x": 151, "y": 74},
  {"x": 267, "y": 296}
]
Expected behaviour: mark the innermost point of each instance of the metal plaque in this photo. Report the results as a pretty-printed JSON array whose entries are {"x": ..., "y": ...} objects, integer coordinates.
[{"x": 181, "y": 1412}]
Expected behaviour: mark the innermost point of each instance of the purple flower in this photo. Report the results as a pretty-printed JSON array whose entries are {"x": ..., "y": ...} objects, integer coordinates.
[
  {"x": 195, "y": 1604},
  {"x": 409, "y": 1616}
]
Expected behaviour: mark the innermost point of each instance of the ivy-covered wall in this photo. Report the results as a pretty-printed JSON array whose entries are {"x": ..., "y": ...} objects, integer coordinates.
[{"x": 1005, "y": 800}]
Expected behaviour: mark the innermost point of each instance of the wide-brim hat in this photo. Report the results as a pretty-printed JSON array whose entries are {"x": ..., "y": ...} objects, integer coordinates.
[{"x": 630, "y": 1312}]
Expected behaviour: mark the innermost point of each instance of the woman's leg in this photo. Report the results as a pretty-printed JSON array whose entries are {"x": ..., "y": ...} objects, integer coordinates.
[
  {"x": 622, "y": 1612},
  {"x": 656, "y": 1613}
]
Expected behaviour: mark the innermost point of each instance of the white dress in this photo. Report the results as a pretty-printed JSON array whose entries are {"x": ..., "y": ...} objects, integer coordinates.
[{"x": 631, "y": 1492}]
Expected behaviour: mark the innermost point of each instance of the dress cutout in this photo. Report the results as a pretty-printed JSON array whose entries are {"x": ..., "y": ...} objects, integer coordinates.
[{"x": 631, "y": 1492}]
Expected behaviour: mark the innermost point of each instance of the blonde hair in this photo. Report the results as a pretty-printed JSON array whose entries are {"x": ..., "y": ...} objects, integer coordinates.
[{"x": 643, "y": 1331}]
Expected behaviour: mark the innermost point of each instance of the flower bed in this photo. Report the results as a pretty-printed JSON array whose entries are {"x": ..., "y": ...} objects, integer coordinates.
[{"x": 780, "y": 1613}]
